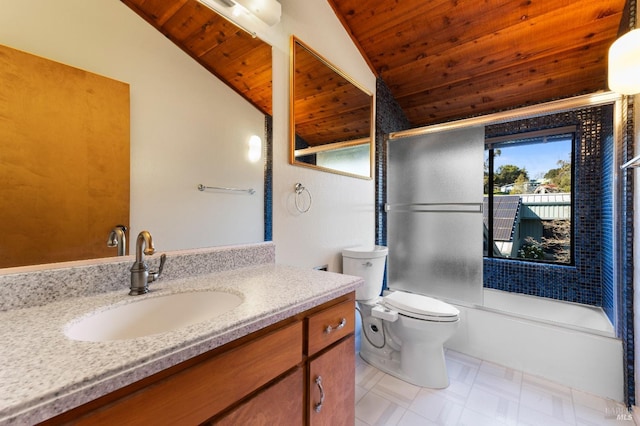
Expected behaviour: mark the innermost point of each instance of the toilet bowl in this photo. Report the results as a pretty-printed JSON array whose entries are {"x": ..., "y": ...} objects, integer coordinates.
[
  {"x": 423, "y": 326},
  {"x": 402, "y": 333}
]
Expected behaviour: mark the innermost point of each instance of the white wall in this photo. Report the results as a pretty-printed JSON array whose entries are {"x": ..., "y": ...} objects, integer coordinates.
[
  {"x": 342, "y": 213},
  {"x": 187, "y": 127}
]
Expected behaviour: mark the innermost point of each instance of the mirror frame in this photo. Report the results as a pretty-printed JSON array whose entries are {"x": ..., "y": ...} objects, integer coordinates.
[{"x": 333, "y": 145}]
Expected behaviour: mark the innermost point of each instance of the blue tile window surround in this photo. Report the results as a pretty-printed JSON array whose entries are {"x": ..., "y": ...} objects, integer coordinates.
[{"x": 590, "y": 279}]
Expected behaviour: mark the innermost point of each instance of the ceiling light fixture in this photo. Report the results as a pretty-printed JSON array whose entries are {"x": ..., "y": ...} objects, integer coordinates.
[
  {"x": 267, "y": 11},
  {"x": 624, "y": 64}
]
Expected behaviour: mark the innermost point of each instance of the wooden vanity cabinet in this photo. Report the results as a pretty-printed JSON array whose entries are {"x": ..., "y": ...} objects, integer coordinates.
[{"x": 266, "y": 378}]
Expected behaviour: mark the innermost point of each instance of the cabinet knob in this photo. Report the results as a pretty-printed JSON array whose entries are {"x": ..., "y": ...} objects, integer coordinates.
[
  {"x": 318, "y": 406},
  {"x": 329, "y": 328}
]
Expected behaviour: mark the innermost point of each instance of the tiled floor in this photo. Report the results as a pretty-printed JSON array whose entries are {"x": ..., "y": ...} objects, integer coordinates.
[{"x": 480, "y": 394}]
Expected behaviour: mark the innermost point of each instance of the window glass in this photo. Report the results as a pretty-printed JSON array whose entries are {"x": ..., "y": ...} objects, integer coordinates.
[{"x": 528, "y": 211}]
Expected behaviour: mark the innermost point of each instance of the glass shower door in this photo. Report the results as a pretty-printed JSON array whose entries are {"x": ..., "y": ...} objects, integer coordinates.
[{"x": 434, "y": 214}]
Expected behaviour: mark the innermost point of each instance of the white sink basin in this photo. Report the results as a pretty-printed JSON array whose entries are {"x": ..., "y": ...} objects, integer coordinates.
[{"x": 151, "y": 315}]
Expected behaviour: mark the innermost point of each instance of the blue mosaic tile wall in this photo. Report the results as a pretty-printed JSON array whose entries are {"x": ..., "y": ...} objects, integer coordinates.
[
  {"x": 268, "y": 179},
  {"x": 389, "y": 118},
  {"x": 582, "y": 282},
  {"x": 625, "y": 324},
  {"x": 608, "y": 230}
]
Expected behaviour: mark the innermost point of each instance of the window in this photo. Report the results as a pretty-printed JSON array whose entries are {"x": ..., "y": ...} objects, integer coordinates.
[{"x": 528, "y": 196}]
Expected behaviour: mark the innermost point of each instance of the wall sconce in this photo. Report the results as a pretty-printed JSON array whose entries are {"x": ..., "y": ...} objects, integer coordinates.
[
  {"x": 624, "y": 64},
  {"x": 255, "y": 149},
  {"x": 267, "y": 11}
]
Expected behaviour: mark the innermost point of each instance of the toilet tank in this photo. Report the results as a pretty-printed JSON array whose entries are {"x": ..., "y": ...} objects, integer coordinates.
[{"x": 368, "y": 263}]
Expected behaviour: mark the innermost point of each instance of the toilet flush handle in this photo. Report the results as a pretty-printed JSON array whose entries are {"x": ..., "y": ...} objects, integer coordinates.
[{"x": 367, "y": 264}]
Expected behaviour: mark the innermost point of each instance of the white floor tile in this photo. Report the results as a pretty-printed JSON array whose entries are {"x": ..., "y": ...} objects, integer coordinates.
[
  {"x": 436, "y": 408},
  {"x": 412, "y": 419},
  {"x": 396, "y": 390},
  {"x": 493, "y": 405},
  {"x": 360, "y": 423},
  {"x": 480, "y": 393},
  {"x": 462, "y": 358},
  {"x": 505, "y": 387},
  {"x": 376, "y": 410},
  {"x": 543, "y": 397},
  {"x": 462, "y": 372},
  {"x": 366, "y": 375},
  {"x": 360, "y": 392},
  {"x": 501, "y": 371},
  {"x": 472, "y": 418},
  {"x": 528, "y": 416}
]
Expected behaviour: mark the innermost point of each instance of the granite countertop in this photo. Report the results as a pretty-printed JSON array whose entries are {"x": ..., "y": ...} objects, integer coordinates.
[{"x": 44, "y": 373}]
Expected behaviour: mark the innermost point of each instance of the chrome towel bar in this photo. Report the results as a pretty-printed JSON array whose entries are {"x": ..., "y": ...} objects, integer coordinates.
[{"x": 202, "y": 187}]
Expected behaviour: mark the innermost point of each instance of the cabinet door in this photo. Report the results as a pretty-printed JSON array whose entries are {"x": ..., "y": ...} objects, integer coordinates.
[
  {"x": 332, "y": 386},
  {"x": 280, "y": 404}
]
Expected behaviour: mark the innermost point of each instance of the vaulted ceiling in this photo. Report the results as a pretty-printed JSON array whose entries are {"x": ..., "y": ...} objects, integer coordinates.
[
  {"x": 446, "y": 59},
  {"x": 441, "y": 59}
]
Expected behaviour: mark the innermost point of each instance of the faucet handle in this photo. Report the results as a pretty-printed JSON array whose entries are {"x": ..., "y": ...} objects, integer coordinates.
[
  {"x": 156, "y": 274},
  {"x": 163, "y": 258}
]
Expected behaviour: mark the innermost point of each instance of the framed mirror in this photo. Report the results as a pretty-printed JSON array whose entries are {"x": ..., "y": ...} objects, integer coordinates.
[
  {"x": 188, "y": 123},
  {"x": 331, "y": 117}
]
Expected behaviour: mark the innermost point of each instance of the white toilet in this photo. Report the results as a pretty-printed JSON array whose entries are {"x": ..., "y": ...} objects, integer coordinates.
[{"x": 402, "y": 333}]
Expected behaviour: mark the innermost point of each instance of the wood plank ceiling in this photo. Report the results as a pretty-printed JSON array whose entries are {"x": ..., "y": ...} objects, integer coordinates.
[
  {"x": 447, "y": 59},
  {"x": 441, "y": 59}
]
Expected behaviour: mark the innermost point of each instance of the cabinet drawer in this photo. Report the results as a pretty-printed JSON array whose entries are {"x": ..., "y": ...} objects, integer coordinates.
[
  {"x": 330, "y": 325},
  {"x": 198, "y": 393}
]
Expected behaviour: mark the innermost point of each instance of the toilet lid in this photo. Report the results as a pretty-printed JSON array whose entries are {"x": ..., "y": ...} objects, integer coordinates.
[{"x": 421, "y": 305}]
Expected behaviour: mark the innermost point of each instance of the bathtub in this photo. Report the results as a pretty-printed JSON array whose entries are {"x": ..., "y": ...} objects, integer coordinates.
[{"x": 568, "y": 343}]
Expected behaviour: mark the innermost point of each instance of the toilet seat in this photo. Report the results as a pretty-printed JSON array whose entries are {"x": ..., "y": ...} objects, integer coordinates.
[{"x": 421, "y": 307}]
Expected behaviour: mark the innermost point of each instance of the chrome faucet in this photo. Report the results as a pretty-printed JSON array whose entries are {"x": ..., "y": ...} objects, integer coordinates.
[
  {"x": 117, "y": 238},
  {"x": 140, "y": 275}
]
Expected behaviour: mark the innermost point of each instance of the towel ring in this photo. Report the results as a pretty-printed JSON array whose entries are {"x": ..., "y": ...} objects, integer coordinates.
[{"x": 300, "y": 190}]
